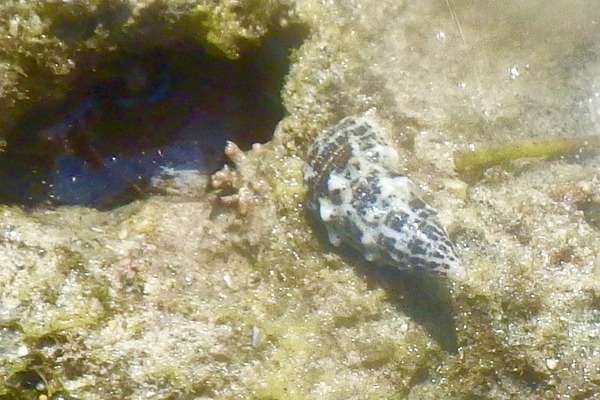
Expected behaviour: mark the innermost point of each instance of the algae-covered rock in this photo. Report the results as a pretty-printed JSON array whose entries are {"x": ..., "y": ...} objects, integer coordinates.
[{"x": 220, "y": 287}]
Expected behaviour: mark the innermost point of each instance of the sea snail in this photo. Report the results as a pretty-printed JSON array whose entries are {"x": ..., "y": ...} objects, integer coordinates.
[{"x": 355, "y": 191}]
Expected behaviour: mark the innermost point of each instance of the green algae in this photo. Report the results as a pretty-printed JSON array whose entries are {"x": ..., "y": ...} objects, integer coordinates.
[
  {"x": 229, "y": 23},
  {"x": 477, "y": 160},
  {"x": 36, "y": 372},
  {"x": 48, "y": 45}
]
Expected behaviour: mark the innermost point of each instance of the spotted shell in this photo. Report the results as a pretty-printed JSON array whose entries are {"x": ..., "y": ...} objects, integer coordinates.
[{"x": 355, "y": 191}]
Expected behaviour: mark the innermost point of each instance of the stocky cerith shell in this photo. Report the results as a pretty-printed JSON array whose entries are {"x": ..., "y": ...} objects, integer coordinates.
[{"x": 354, "y": 189}]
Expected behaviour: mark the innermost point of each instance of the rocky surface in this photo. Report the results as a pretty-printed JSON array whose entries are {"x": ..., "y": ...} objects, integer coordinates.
[{"x": 231, "y": 293}]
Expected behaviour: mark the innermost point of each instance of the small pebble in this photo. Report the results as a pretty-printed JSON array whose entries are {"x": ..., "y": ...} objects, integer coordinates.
[
  {"x": 551, "y": 364},
  {"x": 22, "y": 351}
]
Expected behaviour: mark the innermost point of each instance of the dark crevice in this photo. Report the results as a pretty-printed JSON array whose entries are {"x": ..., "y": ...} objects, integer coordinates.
[{"x": 136, "y": 113}]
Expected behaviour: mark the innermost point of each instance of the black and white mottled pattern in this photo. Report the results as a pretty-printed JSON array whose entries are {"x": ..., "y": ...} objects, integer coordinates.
[{"x": 355, "y": 191}]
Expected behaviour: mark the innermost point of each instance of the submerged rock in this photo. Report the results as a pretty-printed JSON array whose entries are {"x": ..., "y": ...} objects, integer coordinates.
[{"x": 228, "y": 292}]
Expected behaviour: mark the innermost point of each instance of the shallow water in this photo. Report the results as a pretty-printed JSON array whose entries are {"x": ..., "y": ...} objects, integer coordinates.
[{"x": 137, "y": 120}]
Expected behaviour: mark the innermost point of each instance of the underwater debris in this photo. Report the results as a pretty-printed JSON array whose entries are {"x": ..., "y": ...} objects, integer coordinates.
[{"x": 476, "y": 161}]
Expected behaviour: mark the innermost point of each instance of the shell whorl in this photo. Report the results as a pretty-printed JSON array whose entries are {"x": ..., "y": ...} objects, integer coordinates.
[{"x": 355, "y": 191}]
